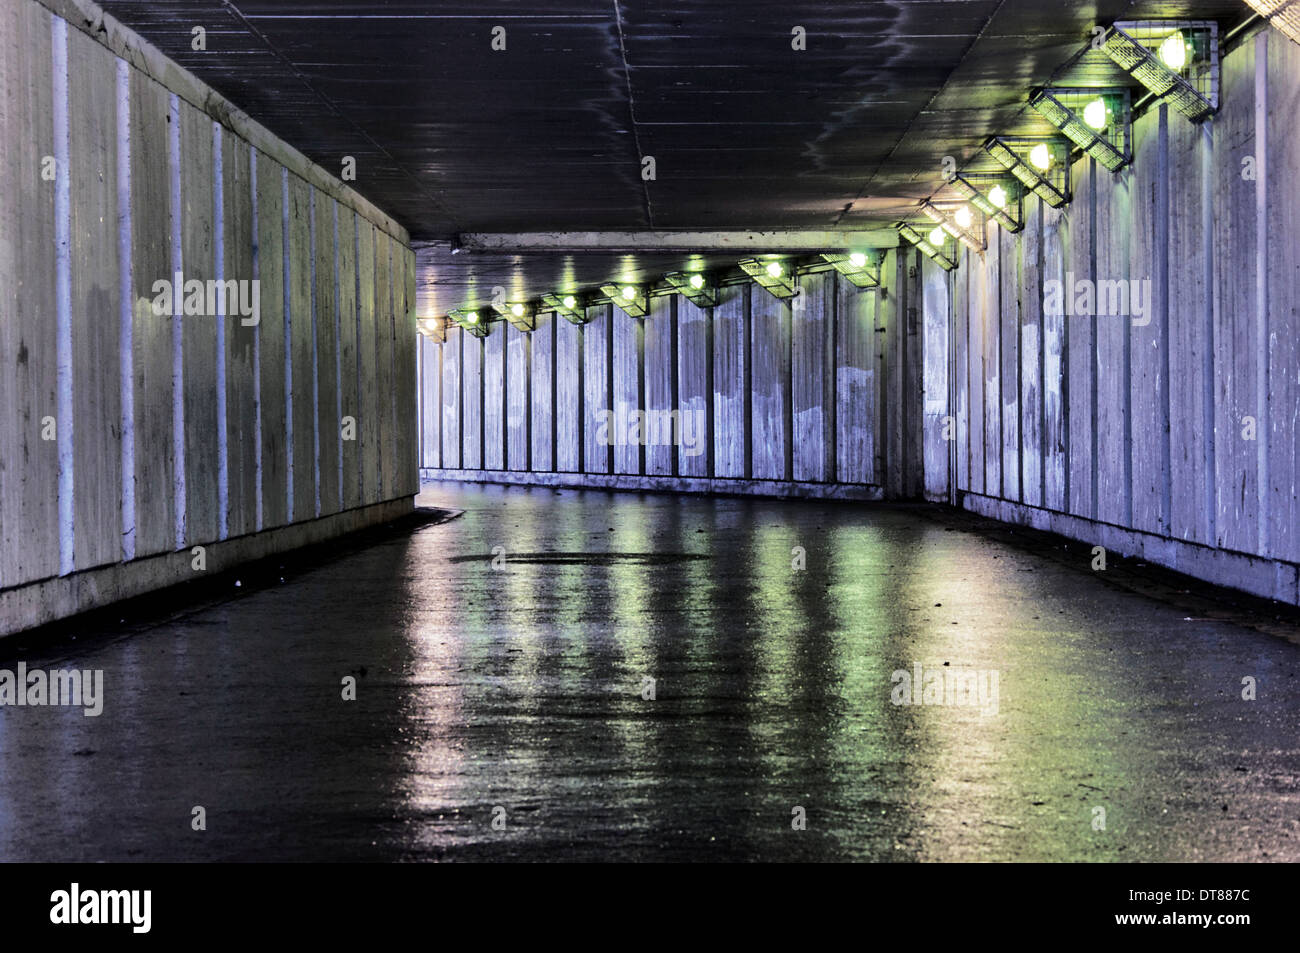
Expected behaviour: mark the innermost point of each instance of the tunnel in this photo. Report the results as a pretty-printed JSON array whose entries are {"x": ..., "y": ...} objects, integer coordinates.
[{"x": 649, "y": 430}]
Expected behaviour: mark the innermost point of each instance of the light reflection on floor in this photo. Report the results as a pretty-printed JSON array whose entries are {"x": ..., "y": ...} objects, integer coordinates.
[{"x": 521, "y": 688}]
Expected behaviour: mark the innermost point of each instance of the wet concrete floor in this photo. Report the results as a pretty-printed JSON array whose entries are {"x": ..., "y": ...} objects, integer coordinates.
[{"x": 508, "y": 684}]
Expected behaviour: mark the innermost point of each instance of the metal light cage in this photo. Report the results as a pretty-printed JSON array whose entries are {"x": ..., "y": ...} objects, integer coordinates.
[
  {"x": 577, "y": 314},
  {"x": 475, "y": 322},
  {"x": 943, "y": 214},
  {"x": 1192, "y": 89},
  {"x": 521, "y": 314},
  {"x": 975, "y": 187},
  {"x": 637, "y": 306},
  {"x": 864, "y": 275},
  {"x": 435, "y": 329},
  {"x": 782, "y": 285},
  {"x": 1052, "y": 185},
  {"x": 1283, "y": 14},
  {"x": 1063, "y": 107},
  {"x": 946, "y": 256},
  {"x": 705, "y": 296}
]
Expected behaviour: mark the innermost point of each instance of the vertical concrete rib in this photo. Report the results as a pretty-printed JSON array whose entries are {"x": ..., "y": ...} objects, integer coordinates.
[
  {"x": 219, "y": 319},
  {"x": 291, "y": 463},
  {"x": 1095, "y": 362},
  {"x": 126, "y": 342},
  {"x": 1208, "y": 397},
  {"x": 1164, "y": 398},
  {"x": 178, "y": 339},
  {"x": 338, "y": 353},
  {"x": 315, "y": 371},
  {"x": 257, "y": 337},
  {"x": 1263, "y": 344},
  {"x": 63, "y": 296}
]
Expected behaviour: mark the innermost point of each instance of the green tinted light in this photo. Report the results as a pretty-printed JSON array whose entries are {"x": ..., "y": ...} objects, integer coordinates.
[
  {"x": 1173, "y": 51},
  {"x": 1094, "y": 114}
]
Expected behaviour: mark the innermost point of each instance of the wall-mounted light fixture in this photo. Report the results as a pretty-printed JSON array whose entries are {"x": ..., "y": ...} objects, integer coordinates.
[
  {"x": 434, "y": 329},
  {"x": 1096, "y": 120},
  {"x": 1042, "y": 165},
  {"x": 474, "y": 321},
  {"x": 629, "y": 298},
  {"x": 775, "y": 275},
  {"x": 934, "y": 243},
  {"x": 995, "y": 194},
  {"x": 862, "y": 269},
  {"x": 1283, "y": 14},
  {"x": 961, "y": 221},
  {"x": 695, "y": 287},
  {"x": 1177, "y": 60},
  {"x": 521, "y": 314},
  {"x": 571, "y": 307}
]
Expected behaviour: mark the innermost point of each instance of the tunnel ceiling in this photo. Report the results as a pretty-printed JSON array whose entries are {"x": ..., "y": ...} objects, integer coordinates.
[{"x": 450, "y": 136}]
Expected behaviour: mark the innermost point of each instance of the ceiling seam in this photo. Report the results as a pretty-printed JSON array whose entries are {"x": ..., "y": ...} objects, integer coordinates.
[
  {"x": 872, "y": 177},
  {"x": 631, "y": 109}
]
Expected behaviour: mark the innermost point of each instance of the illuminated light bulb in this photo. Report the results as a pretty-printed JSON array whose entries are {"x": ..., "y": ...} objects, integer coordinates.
[
  {"x": 998, "y": 196},
  {"x": 472, "y": 317},
  {"x": 1173, "y": 51},
  {"x": 697, "y": 281},
  {"x": 570, "y": 301},
  {"x": 963, "y": 217},
  {"x": 629, "y": 292},
  {"x": 774, "y": 269},
  {"x": 1094, "y": 114},
  {"x": 1041, "y": 157},
  {"x": 857, "y": 259},
  {"x": 938, "y": 238},
  {"x": 517, "y": 310}
]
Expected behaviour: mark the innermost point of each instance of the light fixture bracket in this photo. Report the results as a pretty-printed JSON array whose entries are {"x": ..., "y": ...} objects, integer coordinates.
[
  {"x": 943, "y": 215},
  {"x": 526, "y": 318},
  {"x": 636, "y": 306},
  {"x": 945, "y": 257},
  {"x": 1283, "y": 14},
  {"x": 779, "y": 285},
  {"x": 1193, "y": 89},
  {"x": 1064, "y": 107},
  {"x": 866, "y": 275},
  {"x": 977, "y": 187},
  {"x": 475, "y": 322},
  {"x": 577, "y": 314},
  {"x": 435, "y": 329},
  {"x": 705, "y": 296},
  {"x": 1052, "y": 184}
]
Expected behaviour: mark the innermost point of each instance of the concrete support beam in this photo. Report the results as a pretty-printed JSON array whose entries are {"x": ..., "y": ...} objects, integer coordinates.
[{"x": 749, "y": 242}]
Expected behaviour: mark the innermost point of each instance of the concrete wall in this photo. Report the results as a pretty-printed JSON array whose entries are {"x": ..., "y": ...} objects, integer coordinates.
[
  {"x": 130, "y": 437},
  {"x": 1173, "y": 434},
  {"x": 818, "y": 399}
]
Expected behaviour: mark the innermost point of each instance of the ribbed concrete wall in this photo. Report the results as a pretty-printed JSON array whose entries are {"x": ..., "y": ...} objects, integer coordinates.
[
  {"x": 818, "y": 399},
  {"x": 130, "y": 437},
  {"x": 1173, "y": 433}
]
